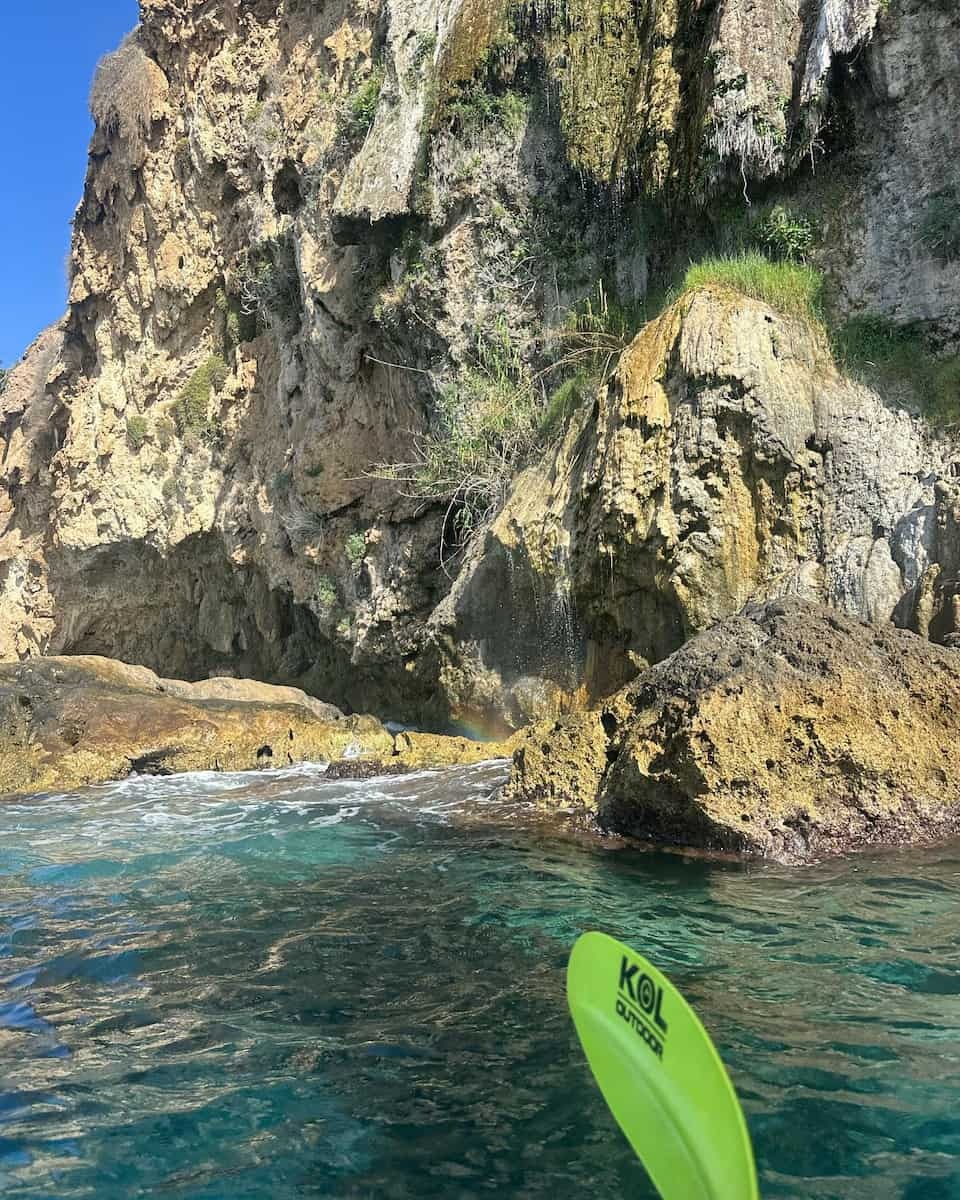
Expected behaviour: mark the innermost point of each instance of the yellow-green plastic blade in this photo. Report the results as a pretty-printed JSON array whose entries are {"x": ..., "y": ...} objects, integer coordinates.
[{"x": 660, "y": 1074}]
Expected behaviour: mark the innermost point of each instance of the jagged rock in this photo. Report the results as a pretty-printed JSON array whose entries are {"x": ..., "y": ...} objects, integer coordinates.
[
  {"x": 788, "y": 731},
  {"x": 186, "y": 459},
  {"x": 727, "y": 460},
  {"x": 67, "y": 722}
]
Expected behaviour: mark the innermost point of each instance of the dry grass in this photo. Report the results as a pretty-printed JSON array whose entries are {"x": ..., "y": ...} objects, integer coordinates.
[{"x": 123, "y": 93}]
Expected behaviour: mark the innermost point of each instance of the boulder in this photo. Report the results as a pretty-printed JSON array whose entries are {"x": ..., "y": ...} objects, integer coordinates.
[{"x": 789, "y": 731}]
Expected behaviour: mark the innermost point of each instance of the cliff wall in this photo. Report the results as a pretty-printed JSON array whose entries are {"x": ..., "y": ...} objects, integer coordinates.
[{"x": 306, "y": 227}]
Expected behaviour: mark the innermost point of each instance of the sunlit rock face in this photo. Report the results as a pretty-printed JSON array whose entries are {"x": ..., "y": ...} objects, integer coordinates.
[
  {"x": 727, "y": 460},
  {"x": 303, "y": 227},
  {"x": 788, "y": 732}
]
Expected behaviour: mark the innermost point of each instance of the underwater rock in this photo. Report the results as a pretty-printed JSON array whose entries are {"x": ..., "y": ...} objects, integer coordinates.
[{"x": 789, "y": 731}]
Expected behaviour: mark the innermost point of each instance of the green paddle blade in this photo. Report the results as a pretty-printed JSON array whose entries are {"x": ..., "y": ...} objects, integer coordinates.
[{"x": 660, "y": 1074}]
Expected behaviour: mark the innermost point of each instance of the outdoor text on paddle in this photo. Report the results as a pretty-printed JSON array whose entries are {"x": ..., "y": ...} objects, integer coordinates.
[{"x": 640, "y": 1004}]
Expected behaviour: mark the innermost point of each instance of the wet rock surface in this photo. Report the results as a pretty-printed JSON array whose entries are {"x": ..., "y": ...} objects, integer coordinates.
[
  {"x": 69, "y": 722},
  {"x": 788, "y": 731}
]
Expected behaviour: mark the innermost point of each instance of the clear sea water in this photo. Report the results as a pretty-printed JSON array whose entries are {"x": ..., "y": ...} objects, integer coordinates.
[{"x": 272, "y": 986}]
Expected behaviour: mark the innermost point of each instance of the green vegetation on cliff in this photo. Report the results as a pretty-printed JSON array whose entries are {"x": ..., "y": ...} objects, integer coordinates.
[
  {"x": 136, "y": 431},
  {"x": 500, "y": 409},
  {"x": 192, "y": 408},
  {"x": 792, "y": 288},
  {"x": 940, "y": 229},
  {"x": 362, "y": 106},
  {"x": 485, "y": 422},
  {"x": 886, "y": 353}
]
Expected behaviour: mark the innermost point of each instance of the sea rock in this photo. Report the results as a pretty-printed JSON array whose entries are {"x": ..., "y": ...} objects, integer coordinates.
[
  {"x": 416, "y": 751},
  {"x": 68, "y": 722},
  {"x": 788, "y": 731}
]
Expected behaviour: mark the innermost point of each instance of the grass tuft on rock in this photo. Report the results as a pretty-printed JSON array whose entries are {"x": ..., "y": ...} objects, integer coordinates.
[
  {"x": 192, "y": 408},
  {"x": 362, "y": 105},
  {"x": 940, "y": 228},
  {"x": 792, "y": 288},
  {"x": 136, "y": 431}
]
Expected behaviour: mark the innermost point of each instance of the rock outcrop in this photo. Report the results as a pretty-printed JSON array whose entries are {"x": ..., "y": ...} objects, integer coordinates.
[
  {"x": 68, "y": 722},
  {"x": 301, "y": 226},
  {"x": 727, "y": 460},
  {"x": 789, "y": 732}
]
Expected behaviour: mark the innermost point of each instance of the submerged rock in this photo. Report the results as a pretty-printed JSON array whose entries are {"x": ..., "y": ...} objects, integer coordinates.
[
  {"x": 68, "y": 722},
  {"x": 789, "y": 731}
]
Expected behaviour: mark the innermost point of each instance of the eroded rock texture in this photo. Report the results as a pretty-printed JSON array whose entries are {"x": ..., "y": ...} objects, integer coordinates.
[
  {"x": 300, "y": 221},
  {"x": 727, "y": 460},
  {"x": 789, "y": 731},
  {"x": 72, "y": 721},
  {"x": 68, "y": 722}
]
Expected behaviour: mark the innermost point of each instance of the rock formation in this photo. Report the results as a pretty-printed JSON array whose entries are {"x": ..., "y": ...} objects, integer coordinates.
[
  {"x": 304, "y": 226},
  {"x": 67, "y": 722},
  {"x": 727, "y": 460},
  {"x": 789, "y": 731}
]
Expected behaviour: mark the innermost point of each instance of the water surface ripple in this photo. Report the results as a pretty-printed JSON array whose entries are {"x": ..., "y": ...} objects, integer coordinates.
[{"x": 278, "y": 987}]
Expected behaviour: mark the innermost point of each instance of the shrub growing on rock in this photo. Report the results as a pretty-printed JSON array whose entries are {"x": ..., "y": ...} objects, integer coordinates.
[
  {"x": 876, "y": 347},
  {"x": 940, "y": 229},
  {"x": 484, "y": 423},
  {"x": 355, "y": 547},
  {"x": 785, "y": 234},
  {"x": 362, "y": 105},
  {"x": 136, "y": 431},
  {"x": 192, "y": 408},
  {"x": 122, "y": 94},
  {"x": 325, "y": 595},
  {"x": 475, "y": 108},
  {"x": 270, "y": 283}
]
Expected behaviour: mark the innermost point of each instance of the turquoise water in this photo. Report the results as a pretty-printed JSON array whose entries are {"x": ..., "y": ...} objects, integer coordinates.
[{"x": 271, "y": 986}]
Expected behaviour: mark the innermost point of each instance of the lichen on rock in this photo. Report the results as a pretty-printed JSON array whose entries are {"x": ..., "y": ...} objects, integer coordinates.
[{"x": 788, "y": 731}]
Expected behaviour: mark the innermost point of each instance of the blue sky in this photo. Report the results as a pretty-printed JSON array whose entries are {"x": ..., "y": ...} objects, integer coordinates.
[{"x": 50, "y": 48}]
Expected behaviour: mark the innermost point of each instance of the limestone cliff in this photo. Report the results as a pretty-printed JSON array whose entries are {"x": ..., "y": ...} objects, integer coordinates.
[
  {"x": 301, "y": 223},
  {"x": 726, "y": 460}
]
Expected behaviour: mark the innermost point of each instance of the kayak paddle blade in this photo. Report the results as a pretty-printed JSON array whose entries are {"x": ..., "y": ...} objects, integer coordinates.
[{"x": 660, "y": 1074}]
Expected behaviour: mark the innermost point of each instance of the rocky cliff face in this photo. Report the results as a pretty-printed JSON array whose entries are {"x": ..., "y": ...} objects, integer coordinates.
[
  {"x": 727, "y": 459},
  {"x": 302, "y": 224}
]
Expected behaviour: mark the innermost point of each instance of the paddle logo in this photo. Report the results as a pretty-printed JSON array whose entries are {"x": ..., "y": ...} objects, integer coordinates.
[
  {"x": 678, "y": 1109},
  {"x": 640, "y": 1004}
]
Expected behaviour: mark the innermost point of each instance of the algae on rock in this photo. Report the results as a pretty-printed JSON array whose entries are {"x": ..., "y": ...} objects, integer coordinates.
[{"x": 788, "y": 732}]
